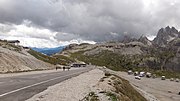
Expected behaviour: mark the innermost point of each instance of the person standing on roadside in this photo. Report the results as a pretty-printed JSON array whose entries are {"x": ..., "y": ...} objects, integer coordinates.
[{"x": 63, "y": 68}]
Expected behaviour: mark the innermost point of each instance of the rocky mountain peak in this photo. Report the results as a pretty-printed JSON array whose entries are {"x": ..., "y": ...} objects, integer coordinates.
[
  {"x": 145, "y": 40},
  {"x": 127, "y": 39},
  {"x": 165, "y": 35}
]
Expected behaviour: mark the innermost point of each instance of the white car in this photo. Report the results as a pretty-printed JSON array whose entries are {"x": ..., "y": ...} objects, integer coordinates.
[
  {"x": 136, "y": 73},
  {"x": 177, "y": 80},
  {"x": 142, "y": 74},
  {"x": 148, "y": 75},
  {"x": 171, "y": 79},
  {"x": 130, "y": 72},
  {"x": 137, "y": 77},
  {"x": 163, "y": 78}
]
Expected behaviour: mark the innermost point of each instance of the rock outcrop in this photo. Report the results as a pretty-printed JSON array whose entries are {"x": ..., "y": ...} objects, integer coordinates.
[
  {"x": 145, "y": 40},
  {"x": 166, "y": 35}
]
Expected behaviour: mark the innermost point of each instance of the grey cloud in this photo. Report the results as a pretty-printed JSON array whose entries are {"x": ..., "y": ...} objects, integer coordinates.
[{"x": 92, "y": 19}]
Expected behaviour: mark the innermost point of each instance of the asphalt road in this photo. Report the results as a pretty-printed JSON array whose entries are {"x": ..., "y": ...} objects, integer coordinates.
[{"x": 20, "y": 88}]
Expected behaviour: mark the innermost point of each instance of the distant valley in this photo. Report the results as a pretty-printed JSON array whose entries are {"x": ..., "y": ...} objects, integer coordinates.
[{"x": 49, "y": 51}]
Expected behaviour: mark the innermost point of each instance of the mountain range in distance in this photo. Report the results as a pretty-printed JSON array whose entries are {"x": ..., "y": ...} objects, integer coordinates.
[
  {"x": 48, "y": 51},
  {"x": 165, "y": 36}
]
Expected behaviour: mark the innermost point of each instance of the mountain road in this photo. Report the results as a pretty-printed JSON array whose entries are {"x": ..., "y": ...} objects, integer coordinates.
[{"x": 22, "y": 87}]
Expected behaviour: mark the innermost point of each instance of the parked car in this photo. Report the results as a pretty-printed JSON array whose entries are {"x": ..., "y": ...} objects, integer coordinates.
[
  {"x": 142, "y": 74},
  {"x": 148, "y": 75},
  {"x": 136, "y": 73},
  {"x": 163, "y": 78},
  {"x": 177, "y": 80},
  {"x": 130, "y": 72},
  {"x": 171, "y": 79},
  {"x": 137, "y": 77}
]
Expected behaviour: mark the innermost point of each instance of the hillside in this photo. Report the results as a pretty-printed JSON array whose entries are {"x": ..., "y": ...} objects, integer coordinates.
[
  {"x": 49, "y": 51},
  {"x": 15, "y": 58},
  {"x": 139, "y": 54},
  {"x": 55, "y": 59}
]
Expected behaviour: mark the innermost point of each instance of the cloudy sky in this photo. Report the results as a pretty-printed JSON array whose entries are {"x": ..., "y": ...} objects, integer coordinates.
[{"x": 51, "y": 23}]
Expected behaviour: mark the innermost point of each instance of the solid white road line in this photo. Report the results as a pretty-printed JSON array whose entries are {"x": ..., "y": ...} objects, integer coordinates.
[{"x": 36, "y": 84}]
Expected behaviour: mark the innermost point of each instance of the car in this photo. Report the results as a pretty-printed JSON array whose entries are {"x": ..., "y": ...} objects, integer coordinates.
[
  {"x": 163, "y": 78},
  {"x": 177, "y": 80},
  {"x": 171, "y": 79},
  {"x": 136, "y": 73},
  {"x": 142, "y": 74},
  {"x": 130, "y": 72},
  {"x": 148, "y": 75},
  {"x": 137, "y": 77}
]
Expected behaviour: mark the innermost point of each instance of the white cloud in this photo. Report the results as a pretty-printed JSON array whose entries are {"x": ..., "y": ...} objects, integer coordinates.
[
  {"x": 97, "y": 20},
  {"x": 43, "y": 43},
  {"x": 26, "y": 30},
  {"x": 35, "y": 37}
]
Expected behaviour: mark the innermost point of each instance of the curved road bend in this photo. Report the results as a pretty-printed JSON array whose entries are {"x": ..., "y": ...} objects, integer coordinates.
[{"x": 20, "y": 88}]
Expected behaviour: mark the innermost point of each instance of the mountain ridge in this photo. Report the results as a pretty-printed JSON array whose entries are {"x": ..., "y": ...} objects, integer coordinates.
[
  {"x": 49, "y": 51},
  {"x": 161, "y": 55},
  {"x": 166, "y": 35}
]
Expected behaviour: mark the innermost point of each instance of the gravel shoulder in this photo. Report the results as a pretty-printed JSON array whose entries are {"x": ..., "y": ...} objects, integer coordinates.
[
  {"x": 73, "y": 89},
  {"x": 31, "y": 72}
]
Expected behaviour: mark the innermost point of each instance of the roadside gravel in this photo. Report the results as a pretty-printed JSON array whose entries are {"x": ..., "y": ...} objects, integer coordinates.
[{"x": 32, "y": 72}]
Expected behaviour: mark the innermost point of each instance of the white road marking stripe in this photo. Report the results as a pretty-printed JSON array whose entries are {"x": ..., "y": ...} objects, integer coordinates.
[{"x": 36, "y": 84}]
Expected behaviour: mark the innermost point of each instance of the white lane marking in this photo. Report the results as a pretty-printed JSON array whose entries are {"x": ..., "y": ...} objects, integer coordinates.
[{"x": 36, "y": 84}]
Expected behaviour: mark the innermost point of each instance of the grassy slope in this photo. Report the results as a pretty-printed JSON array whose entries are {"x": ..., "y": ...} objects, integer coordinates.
[
  {"x": 109, "y": 59},
  {"x": 119, "y": 62},
  {"x": 123, "y": 90},
  {"x": 126, "y": 89},
  {"x": 59, "y": 59}
]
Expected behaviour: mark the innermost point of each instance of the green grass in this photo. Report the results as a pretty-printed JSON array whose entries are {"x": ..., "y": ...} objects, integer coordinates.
[
  {"x": 92, "y": 96},
  {"x": 123, "y": 90},
  {"x": 120, "y": 62},
  {"x": 112, "y": 96},
  {"x": 111, "y": 60},
  {"x": 128, "y": 92},
  {"x": 168, "y": 74},
  {"x": 59, "y": 59},
  {"x": 64, "y": 58}
]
